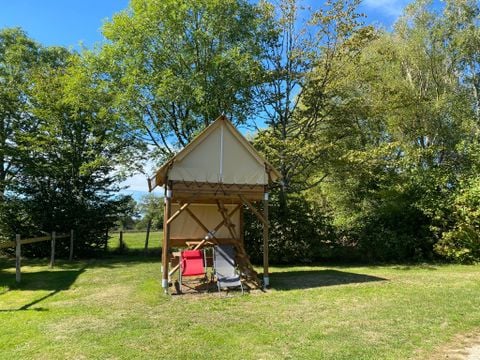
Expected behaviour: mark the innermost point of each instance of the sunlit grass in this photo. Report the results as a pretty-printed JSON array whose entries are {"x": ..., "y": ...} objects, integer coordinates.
[
  {"x": 136, "y": 240},
  {"x": 115, "y": 308}
]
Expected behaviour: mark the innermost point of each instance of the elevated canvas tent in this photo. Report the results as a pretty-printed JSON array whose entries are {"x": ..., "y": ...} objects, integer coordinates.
[{"x": 206, "y": 185}]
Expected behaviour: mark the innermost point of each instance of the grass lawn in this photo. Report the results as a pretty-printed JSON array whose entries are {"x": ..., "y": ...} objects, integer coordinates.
[
  {"x": 114, "y": 308},
  {"x": 135, "y": 241}
]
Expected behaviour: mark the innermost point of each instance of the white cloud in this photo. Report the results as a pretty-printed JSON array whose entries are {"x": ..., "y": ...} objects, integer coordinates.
[{"x": 387, "y": 7}]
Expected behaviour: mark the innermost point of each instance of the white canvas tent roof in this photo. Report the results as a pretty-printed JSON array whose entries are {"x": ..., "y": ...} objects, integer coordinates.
[{"x": 219, "y": 154}]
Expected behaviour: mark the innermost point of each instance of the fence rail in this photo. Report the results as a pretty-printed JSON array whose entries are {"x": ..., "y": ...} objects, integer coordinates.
[
  {"x": 4, "y": 245},
  {"x": 17, "y": 244}
]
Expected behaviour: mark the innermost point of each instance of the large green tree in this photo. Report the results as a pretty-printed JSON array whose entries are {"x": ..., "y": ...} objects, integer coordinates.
[
  {"x": 176, "y": 65},
  {"x": 19, "y": 56},
  {"x": 69, "y": 180},
  {"x": 304, "y": 54},
  {"x": 323, "y": 40},
  {"x": 403, "y": 124}
]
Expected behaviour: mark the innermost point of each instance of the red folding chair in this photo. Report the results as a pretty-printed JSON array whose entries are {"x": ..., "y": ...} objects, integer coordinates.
[{"x": 192, "y": 264}]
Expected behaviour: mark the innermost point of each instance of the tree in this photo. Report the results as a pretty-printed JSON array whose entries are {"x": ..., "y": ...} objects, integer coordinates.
[
  {"x": 303, "y": 55},
  {"x": 401, "y": 122},
  {"x": 325, "y": 41},
  {"x": 151, "y": 209},
  {"x": 19, "y": 56},
  {"x": 71, "y": 177},
  {"x": 176, "y": 65}
]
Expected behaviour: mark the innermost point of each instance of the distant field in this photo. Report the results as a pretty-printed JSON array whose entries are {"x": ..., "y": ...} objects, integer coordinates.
[
  {"x": 114, "y": 308},
  {"x": 136, "y": 240}
]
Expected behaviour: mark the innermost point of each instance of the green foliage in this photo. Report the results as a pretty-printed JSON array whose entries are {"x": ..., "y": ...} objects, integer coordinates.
[
  {"x": 462, "y": 242},
  {"x": 151, "y": 208},
  {"x": 396, "y": 132},
  {"x": 305, "y": 40},
  {"x": 128, "y": 218},
  {"x": 176, "y": 65},
  {"x": 299, "y": 232},
  {"x": 19, "y": 56},
  {"x": 68, "y": 144},
  {"x": 376, "y": 133}
]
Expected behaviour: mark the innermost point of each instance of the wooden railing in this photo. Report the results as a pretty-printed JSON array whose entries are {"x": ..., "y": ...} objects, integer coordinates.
[{"x": 17, "y": 244}]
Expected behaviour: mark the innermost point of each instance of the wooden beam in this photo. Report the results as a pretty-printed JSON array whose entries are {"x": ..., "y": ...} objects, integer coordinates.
[
  {"x": 52, "y": 254},
  {"x": 266, "y": 279},
  {"x": 197, "y": 220},
  {"x": 9, "y": 244},
  {"x": 18, "y": 258},
  {"x": 32, "y": 240},
  {"x": 35, "y": 239},
  {"x": 184, "y": 242},
  {"x": 178, "y": 212},
  {"x": 242, "y": 228},
  {"x": 226, "y": 219},
  {"x": 166, "y": 236},
  {"x": 254, "y": 210},
  {"x": 70, "y": 255},
  {"x": 208, "y": 192}
]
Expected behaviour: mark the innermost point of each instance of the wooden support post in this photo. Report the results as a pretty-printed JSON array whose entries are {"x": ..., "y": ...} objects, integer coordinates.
[
  {"x": 266, "y": 279},
  {"x": 241, "y": 231},
  {"x": 18, "y": 257},
  {"x": 120, "y": 241},
  {"x": 254, "y": 210},
  {"x": 52, "y": 255},
  {"x": 70, "y": 256},
  {"x": 147, "y": 236},
  {"x": 166, "y": 235}
]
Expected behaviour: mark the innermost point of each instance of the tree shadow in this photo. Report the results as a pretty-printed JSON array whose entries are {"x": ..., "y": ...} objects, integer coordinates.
[
  {"x": 307, "y": 279},
  {"x": 112, "y": 261},
  {"x": 53, "y": 281}
]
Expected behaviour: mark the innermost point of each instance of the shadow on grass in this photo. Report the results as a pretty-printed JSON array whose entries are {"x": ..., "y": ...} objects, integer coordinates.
[
  {"x": 415, "y": 267},
  {"x": 53, "y": 281},
  {"x": 293, "y": 280}
]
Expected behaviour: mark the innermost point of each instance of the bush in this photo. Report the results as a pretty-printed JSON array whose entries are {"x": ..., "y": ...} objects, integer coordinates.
[{"x": 462, "y": 242}]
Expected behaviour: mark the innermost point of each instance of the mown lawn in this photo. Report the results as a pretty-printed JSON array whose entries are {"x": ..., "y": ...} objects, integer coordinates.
[
  {"x": 135, "y": 241},
  {"x": 114, "y": 308}
]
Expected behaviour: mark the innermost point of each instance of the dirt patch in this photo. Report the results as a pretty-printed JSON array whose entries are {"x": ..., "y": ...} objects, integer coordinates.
[{"x": 463, "y": 347}]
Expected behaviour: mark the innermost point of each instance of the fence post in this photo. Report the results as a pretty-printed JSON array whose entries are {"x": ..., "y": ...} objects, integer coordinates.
[
  {"x": 106, "y": 240},
  {"x": 149, "y": 225},
  {"x": 18, "y": 254},
  {"x": 52, "y": 257},
  {"x": 70, "y": 256},
  {"x": 121, "y": 241}
]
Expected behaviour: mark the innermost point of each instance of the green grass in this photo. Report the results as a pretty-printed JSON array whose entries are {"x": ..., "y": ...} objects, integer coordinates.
[
  {"x": 114, "y": 308},
  {"x": 136, "y": 240}
]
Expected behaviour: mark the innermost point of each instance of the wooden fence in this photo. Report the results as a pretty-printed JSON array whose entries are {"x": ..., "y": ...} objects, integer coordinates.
[{"x": 17, "y": 244}]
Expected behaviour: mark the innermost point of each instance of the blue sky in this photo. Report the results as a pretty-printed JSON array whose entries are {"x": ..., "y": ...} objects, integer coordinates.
[
  {"x": 69, "y": 23},
  {"x": 74, "y": 22}
]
